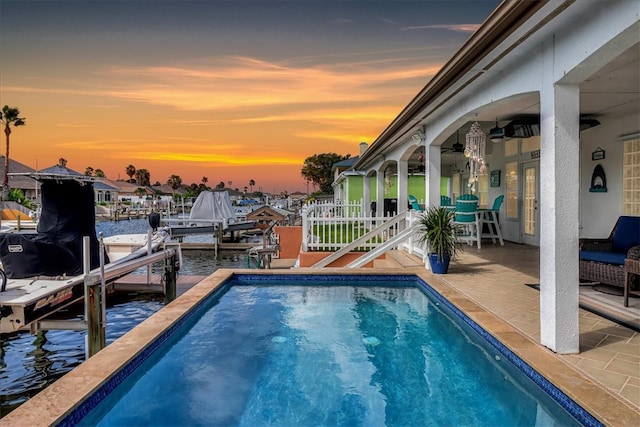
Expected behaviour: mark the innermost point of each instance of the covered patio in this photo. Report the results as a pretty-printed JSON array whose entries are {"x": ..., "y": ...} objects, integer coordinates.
[
  {"x": 496, "y": 278},
  {"x": 554, "y": 87}
]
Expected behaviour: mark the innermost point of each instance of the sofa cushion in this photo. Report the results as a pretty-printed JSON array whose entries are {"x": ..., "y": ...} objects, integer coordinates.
[
  {"x": 627, "y": 234},
  {"x": 616, "y": 258}
]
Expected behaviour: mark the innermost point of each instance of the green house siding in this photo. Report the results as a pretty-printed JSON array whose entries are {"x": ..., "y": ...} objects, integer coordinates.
[
  {"x": 444, "y": 186},
  {"x": 356, "y": 189},
  {"x": 416, "y": 187}
]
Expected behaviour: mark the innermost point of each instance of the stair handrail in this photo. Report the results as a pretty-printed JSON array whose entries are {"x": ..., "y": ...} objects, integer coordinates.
[
  {"x": 383, "y": 248},
  {"x": 360, "y": 240}
]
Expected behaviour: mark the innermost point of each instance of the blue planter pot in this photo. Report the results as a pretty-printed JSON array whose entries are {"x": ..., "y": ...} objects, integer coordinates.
[{"x": 439, "y": 267}]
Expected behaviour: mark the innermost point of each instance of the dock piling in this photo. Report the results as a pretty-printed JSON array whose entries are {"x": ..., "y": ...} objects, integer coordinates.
[
  {"x": 170, "y": 281},
  {"x": 93, "y": 304},
  {"x": 96, "y": 340}
]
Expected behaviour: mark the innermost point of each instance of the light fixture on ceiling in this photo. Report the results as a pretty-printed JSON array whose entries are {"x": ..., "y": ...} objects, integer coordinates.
[
  {"x": 458, "y": 147},
  {"x": 497, "y": 133},
  {"x": 588, "y": 123}
]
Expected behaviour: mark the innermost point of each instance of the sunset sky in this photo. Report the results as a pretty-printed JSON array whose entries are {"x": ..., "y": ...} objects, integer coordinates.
[{"x": 228, "y": 90}]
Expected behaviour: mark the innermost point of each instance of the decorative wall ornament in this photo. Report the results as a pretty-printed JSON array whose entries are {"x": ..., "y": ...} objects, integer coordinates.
[
  {"x": 494, "y": 178},
  {"x": 598, "y": 154},
  {"x": 598, "y": 180},
  {"x": 475, "y": 151}
]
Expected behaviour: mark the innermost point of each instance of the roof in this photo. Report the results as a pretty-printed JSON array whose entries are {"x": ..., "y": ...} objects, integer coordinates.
[
  {"x": 268, "y": 213},
  {"x": 58, "y": 170},
  {"x": 504, "y": 21},
  {"x": 125, "y": 187},
  {"x": 18, "y": 181},
  {"x": 346, "y": 163},
  {"x": 166, "y": 189},
  {"x": 103, "y": 185}
]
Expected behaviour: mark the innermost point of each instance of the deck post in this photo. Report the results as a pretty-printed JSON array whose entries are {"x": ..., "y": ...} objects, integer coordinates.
[{"x": 170, "y": 281}]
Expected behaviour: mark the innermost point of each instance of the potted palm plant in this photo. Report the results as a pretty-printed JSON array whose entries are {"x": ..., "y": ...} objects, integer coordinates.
[{"x": 438, "y": 231}]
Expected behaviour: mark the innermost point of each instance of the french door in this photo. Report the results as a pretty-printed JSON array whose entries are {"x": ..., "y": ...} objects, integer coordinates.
[{"x": 530, "y": 225}]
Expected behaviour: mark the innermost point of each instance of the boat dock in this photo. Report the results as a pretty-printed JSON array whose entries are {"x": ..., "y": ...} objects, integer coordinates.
[
  {"x": 154, "y": 284},
  {"x": 224, "y": 246},
  {"x": 26, "y": 302}
]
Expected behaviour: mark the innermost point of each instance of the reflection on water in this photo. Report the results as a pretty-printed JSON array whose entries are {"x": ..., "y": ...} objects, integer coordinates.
[{"x": 29, "y": 363}]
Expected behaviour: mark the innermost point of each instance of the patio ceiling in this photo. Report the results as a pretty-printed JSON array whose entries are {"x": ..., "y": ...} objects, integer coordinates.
[{"x": 613, "y": 91}]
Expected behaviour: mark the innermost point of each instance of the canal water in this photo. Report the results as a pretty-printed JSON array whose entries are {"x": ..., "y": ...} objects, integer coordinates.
[{"x": 29, "y": 363}]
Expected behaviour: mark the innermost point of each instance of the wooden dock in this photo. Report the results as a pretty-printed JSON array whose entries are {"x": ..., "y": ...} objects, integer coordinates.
[
  {"x": 137, "y": 282},
  {"x": 223, "y": 246}
]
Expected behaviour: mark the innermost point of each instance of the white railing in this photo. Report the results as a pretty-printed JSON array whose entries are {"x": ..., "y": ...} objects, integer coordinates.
[
  {"x": 333, "y": 209},
  {"x": 323, "y": 230},
  {"x": 412, "y": 245}
]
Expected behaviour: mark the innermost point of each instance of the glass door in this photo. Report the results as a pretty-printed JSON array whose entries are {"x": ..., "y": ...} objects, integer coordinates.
[{"x": 530, "y": 226}]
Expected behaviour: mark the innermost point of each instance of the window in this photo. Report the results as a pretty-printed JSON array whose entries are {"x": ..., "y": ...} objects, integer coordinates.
[
  {"x": 482, "y": 190},
  {"x": 631, "y": 177},
  {"x": 456, "y": 186},
  {"x": 511, "y": 147},
  {"x": 511, "y": 201},
  {"x": 530, "y": 144}
]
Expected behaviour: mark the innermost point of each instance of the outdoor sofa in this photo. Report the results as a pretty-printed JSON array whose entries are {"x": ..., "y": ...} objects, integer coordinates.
[{"x": 603, "y": 260}]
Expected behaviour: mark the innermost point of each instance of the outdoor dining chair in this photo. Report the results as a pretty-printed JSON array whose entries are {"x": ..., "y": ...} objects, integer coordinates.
[
  {"x": 414, "y": 203},
  {"x": 445, "y": 201}
]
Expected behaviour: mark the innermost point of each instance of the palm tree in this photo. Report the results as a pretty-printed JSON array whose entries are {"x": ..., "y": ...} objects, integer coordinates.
[
  {"x": 130, "y": 171},
  {"x": 205, "y": 180},
  {"x": 89, "y": 171},
  {"x": 99, "y": 173},
  {"x": 251, "y": 184},
  {"x": 9, "y": 116},
  {"x": 62, "y": 162},
  {"x": 174, "y": 182},
  {"x": 146, "y": 178},
  {"x": 143, "y": 177}
]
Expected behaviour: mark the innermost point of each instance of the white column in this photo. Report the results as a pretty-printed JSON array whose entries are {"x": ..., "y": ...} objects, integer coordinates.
[
  {"x": 366, "y": 194},
  {"x": 559, "y": 190},
  {"x": 432, "y": 174},
  {"x": 403, "y": 184},
  {"x": 380, "y": 193},
  {"x": 344, "y": 194}
]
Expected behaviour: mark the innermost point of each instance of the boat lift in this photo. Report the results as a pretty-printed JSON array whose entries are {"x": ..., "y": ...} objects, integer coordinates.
[{"x": 25, "y": 304}]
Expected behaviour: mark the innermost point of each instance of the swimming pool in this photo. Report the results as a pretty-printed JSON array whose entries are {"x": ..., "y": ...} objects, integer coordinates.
[{"x": 326, "y": 350}]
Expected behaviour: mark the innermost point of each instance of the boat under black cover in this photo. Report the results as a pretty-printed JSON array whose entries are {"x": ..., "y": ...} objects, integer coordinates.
[{"x": 68, "y": 214}]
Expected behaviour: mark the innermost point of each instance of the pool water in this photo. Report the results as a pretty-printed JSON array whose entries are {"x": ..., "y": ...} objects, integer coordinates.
[{"x": 304, "y": 354}]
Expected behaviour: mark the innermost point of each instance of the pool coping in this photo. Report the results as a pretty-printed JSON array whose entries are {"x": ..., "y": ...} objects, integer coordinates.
[{"x": 53, "y": 404}]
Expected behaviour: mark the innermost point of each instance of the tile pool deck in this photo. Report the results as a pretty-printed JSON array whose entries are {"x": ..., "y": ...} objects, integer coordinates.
[{"x": 488, "y": 285}]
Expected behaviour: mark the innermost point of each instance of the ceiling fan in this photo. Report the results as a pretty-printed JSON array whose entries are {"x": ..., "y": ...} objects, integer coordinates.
[{"x": 455, "y": 148}]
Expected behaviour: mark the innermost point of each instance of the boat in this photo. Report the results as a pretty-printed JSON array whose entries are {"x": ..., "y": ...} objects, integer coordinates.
[
  {"x": 45, "y": 271},
  {"x": 212, "y": 212}
]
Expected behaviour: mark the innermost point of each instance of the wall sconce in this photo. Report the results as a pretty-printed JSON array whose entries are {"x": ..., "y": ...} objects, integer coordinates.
[
  {"x": 496, "y": 134},
  {"x": 418, "y": 138}
]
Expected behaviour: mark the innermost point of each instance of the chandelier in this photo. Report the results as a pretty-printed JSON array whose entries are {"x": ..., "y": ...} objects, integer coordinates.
[{"x": 474, "y": 150}]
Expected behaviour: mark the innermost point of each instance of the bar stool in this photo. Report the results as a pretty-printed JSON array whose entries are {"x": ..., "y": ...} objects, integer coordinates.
[
  {"x": 490, "y": 217},
  {"x": 468, "y": 216}
]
